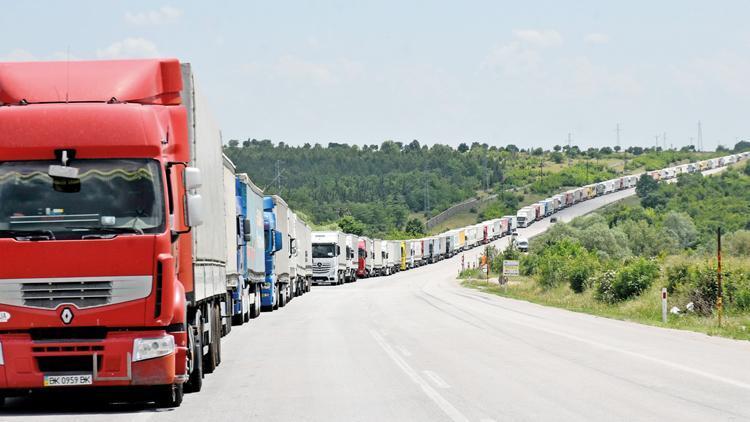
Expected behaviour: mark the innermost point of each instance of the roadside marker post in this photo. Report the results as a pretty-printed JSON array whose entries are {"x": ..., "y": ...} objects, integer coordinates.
[{"x": 664, "y": 305}]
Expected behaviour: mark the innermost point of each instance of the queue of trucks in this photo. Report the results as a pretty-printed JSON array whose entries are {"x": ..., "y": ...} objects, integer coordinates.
[{"x": 131, "y": 245}]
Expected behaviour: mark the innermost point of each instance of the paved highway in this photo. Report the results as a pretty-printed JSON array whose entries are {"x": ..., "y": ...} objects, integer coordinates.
[{"x": 418, "y": 347}]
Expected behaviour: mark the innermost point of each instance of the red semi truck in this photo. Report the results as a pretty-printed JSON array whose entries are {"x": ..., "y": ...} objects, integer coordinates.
[{"x": 112, "y": 267}]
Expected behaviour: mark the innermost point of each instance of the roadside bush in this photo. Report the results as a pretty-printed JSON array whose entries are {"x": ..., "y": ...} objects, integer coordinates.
[
  {"x": 738, "y": 243},
  {"x": 704, "y": 290},
  {"x": 737, "y": 290},
  {"x": 471, "y": 273},
  {"x": 678, "y": 275},
  {"x": 579, "y": 271},
  {"x": 629, "y": 282}
]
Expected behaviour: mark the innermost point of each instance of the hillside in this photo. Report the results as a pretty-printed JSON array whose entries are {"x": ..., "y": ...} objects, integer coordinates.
[{"x": 390, "y": 189}]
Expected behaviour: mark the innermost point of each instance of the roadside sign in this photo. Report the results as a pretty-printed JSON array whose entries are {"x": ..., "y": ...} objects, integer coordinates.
[{"x": 510, "y": 267}]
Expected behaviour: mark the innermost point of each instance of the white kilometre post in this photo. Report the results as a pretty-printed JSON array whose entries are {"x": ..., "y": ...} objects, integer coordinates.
[{"x": 664, "y": 305}]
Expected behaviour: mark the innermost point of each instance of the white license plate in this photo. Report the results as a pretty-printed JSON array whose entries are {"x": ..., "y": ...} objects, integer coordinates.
[{"x": 66, "y": 380}]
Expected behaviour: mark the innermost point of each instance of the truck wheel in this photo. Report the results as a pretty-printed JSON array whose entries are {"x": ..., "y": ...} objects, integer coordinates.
[
  {"x": 278, "y": 299},
  {"x": 225, "y": 323},
  {"x": 169, "y": 395},
  {"x": 238, "y": 319},
  {"x": 218, "y": 319},
  {"x": 209, "y": 359},
  {"x": 195, "y": 380},
  {"x": 282, "y": 298},
  {"x": 255, "y": 309}
]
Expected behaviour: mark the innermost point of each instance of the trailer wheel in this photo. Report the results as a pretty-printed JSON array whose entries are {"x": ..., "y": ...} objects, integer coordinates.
[
  {"x": 282, "y": 298},
  {"x": 255, "y": 309},
  {"x": 195, "y": 381},
  {"x": 219, "y": 325},
  {"x": 238, "y": 319},
  {"x": 169, "y": 395},
  {"x": 209, "y": 359}
]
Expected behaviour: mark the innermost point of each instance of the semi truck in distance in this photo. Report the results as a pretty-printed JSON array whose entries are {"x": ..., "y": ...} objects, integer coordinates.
[
  {"x": 329, "y": 262},
  {"x": 302, "y": 251},
  {"x": 275, "y": 292},
  {"x": 251, "y": 250},
  {"x": 525, "y": 216}
]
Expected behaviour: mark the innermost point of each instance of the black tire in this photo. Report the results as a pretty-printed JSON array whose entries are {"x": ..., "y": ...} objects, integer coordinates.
[
  {"x": 209, "y": 359},
  {"x": 255, "y": 309},
  {"x": 195, "y": 380},
  {"x": 282, "y": 299},
  {"x": 169, "y": 395},
  {"x": 217, "y": 313}
]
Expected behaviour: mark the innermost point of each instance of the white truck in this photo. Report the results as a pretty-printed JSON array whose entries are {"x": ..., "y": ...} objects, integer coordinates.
[
  {"x": 380, "y": 260},
  {"x": 525, "y": 217},
  {"x": 328, "y": 257},
  {"x": 303, "y": 255},
  {"x": 352, "y": 242},
  {"x": 393, "y": 256}
]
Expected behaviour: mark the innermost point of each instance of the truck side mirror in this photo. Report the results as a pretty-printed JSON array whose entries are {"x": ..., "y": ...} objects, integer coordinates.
[
  {"x": 292, "y": 247},
  {"x": 192, "y": 178},
  {"x": 278, "y": 240},
  {"x": 247, "y": 230},
  {"x": 194, "y": 205},
  {"x": 338, "y": 250}
]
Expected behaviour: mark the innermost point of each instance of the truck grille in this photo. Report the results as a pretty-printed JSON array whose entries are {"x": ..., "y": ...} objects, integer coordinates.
[
  {"x": 321, "y": 268},
  {"x": 83, "y": 294}
]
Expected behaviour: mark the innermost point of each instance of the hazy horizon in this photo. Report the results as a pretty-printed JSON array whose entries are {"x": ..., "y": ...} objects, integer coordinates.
[{"x": 438, "y": 72}]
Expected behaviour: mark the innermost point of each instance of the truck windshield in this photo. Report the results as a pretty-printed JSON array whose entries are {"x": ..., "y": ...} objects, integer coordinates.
[
  {"x": 109, "y": 197},
  {"x": 323, "y": 251}
]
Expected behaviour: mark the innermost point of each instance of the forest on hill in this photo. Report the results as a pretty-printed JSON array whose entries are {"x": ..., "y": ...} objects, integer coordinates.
[{"x": 388, "y": 190}]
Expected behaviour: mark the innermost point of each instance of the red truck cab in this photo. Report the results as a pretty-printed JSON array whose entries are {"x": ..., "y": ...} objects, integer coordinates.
[
  {"x": 94, "y": 234},
  {"x": 362, "y": 259}
]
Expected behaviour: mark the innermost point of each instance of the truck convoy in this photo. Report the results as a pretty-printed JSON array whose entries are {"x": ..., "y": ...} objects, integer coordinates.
[{"x": 112, "y": 172}]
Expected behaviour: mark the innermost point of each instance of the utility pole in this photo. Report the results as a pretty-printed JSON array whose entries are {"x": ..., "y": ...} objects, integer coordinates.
[
  {"x": 569, "y": 152},
  {"x": 278, "y": 176},
  {"x": 426, "y": 191},
  {"x": 617, "y": 130},
  {"x": 700, "y": 136},
  {"x": 664, "y": 139}
]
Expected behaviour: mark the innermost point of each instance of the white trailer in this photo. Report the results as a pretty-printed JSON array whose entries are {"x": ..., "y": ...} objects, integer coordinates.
[
  {"x": 525, "y": 216},
  {"x": 380, "y": 260},
  {"x": 394, "y": 256},
  {"x": 351, "y": 258},
  {"x": 303, "y": 254}
]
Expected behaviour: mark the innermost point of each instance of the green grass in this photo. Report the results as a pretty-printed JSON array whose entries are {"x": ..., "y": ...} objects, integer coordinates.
[{"x": 645, "y": 309}]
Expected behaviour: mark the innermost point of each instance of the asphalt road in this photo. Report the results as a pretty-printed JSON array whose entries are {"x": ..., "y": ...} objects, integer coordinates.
[{"x": 418, "y": 347}]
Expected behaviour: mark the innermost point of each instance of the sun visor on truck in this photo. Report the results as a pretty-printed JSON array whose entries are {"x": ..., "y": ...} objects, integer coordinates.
[{"x": 155, "y": 81}]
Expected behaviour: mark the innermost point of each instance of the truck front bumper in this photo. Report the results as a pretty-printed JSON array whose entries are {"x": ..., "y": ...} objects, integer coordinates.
[{"x": 109, "y": 361}]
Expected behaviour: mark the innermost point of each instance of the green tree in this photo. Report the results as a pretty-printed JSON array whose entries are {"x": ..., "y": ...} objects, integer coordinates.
[
  {"x": 415, "y": 227},
  {"x": 351, "y": 225}
]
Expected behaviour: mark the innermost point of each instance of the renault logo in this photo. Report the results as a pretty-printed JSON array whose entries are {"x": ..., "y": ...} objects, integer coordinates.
[
  {"x": 320, "y": 264},
  {"x": 66, "y": 316}
]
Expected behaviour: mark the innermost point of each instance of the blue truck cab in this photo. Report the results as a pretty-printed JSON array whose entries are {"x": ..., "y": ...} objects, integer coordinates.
[
  {"x": 270, "y": 291},
  {"x": 246, "y": 298}
]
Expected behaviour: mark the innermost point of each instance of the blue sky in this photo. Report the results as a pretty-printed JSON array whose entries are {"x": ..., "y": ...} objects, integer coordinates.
[{"x": 499, "y": 72}]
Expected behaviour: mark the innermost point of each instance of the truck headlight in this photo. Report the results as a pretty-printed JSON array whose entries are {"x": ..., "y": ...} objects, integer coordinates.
[{"x": 149, "y": 348}]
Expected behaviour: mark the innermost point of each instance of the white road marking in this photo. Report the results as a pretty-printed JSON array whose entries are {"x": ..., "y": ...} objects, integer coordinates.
[
  {"x": 403, "y": 351},
  {"x": 441, "y": 402},
  {"x": 436, "y": 379}
]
